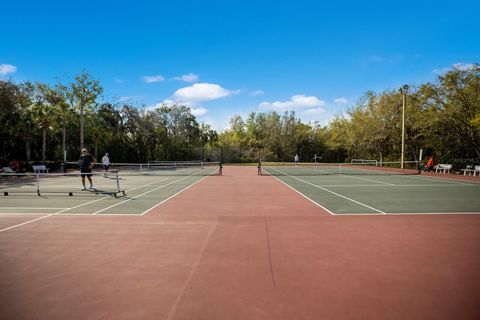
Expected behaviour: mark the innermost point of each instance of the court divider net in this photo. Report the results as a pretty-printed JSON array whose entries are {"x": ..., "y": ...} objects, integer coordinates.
[
  {"x": 355, "y": 168},
  {"x": 160, "y": 168}
]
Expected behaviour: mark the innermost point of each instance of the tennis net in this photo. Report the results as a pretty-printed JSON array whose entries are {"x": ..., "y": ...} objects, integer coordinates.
[
  {"x": 364, "y": 161},
  {"x": 44, "y": 184},
  {"x": 160, "y": 168},
  {"x": 362, "y": 168},
  {"x": 173, "y": 163}
]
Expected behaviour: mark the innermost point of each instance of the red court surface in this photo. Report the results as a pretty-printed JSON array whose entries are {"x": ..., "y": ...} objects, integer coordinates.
[{"x": 240, "y": 246}]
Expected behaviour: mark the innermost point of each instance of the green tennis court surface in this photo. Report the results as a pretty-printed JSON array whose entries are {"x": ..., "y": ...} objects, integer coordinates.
[
  {"x": 61, "y": 194},
  {"x": 385, "y": 193}
]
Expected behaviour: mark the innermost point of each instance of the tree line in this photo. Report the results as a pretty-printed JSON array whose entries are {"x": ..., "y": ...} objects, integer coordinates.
[{"x": 43, "y": 122}]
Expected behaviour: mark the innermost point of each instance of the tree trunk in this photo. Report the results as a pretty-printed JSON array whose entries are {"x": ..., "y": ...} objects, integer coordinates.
[
  {"x": 81, "y": 126},
  {"x": 64, "y": 141},
  {"x": 27, "y": 150},
  {"x": 44, "y": 143}
]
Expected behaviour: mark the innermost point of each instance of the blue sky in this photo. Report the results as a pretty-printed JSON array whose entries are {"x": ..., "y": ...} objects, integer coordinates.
[{"x": 233, "y": 57}]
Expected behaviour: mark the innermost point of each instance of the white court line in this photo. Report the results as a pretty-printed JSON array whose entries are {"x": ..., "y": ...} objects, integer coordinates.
[
  {"x": 84, "y": 204},
  {"x": 51, "y": 214},
  {"x": 138, "y": 186},
  {"x": 384, "y": 213},
  {"x": 376, "y": 181},
  {"x": 140, "y": 195},
  {"x": 89, "y": 214},
  {"x": 9, "y": 214},
  {"x": 410, "y": 214},
  {"x": 393, "y": 186},
  {"x": 305, "y": 196},
  {"x": 442, "y": 180},
  {"x": 337, "y": 194},
  {"x": 173, "y": 196},
  {"x": 30, "y": 208}
]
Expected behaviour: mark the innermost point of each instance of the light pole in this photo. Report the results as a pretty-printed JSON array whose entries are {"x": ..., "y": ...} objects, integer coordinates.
[{"x": 404, "y": 91}]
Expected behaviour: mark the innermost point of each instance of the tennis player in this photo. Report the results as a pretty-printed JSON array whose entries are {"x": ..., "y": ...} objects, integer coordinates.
[
  {"x": 106, "y": 164},
  {"x": 87, "y": 161}
]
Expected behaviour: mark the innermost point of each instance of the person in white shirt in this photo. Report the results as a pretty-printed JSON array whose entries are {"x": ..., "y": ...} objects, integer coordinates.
[{"x": 106, "y": 164}]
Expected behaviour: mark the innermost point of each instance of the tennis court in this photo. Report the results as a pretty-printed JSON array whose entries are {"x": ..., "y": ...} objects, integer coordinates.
[
  {"x": 243, "y": 246},
  {"x": 378, "y": 190},
  {"x": 128, "y": 189}
]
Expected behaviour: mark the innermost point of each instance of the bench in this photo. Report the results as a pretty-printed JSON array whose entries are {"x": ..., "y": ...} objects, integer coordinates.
[
  {"x": 471, "y": 170},
  {"x": 443, "y": 168},
  {"x": 39, "y": 168}
]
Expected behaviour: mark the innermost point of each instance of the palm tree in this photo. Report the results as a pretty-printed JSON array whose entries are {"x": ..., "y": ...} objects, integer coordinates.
[
  {"x": 44, "y": 112},
  {"x": 56, "y": 97},
  {"x": 25, "y": 127},
  {"x": 208, "y": 137},
  {"x": 82, "y": 94}
]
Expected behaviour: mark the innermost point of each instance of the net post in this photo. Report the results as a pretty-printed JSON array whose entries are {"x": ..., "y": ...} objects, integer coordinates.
[
  {"x": 117, "y": 181},
  {"x": 419, "y": 166},
  {"x": 37, "y": 177}
]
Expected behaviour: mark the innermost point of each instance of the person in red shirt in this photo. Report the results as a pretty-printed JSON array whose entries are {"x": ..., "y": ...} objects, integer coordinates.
[
  {"x": 430, "y": 164},
  {"x": 15, "y": 166}
]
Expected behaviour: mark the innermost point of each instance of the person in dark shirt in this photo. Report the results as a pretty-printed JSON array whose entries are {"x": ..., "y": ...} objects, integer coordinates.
[{"x": 87, "y": 161}]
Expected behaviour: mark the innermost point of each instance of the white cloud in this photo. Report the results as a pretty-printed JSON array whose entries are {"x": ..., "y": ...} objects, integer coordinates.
[
  {"x": 296, "y": 102},
  {"x": 201, "y": 92},
  {"x": 191, "y": 77},
  {"x": 153, "y": 79},
  {"x": 167, "y": 102},
  {"x": 256, "y": 93},
  {"x": 341, "y": 100},
  {"x": 314, "y": 111},
  {"x": 196, "y": 110},
  {"x": 7, "y": 68},
  {"x": 154, "y": 106},
  {"x": 170, "y": 103},
  {"x": 119, "y": 81},
  {"x": 320, "y": 115},
  {"x": 458, "y": 66},
  {"x": 464, "y": 66}
]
